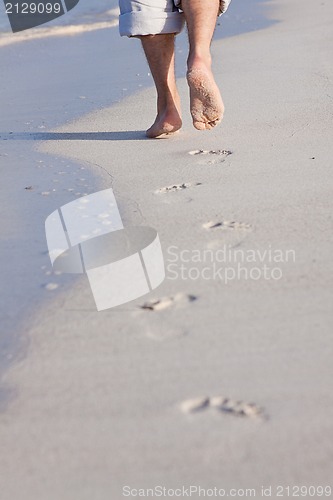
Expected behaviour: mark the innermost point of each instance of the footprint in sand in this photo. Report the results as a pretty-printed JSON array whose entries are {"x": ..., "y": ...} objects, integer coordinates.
[
  {"x": 177, "y": 187},
  {"x": 214, "y": 155},
  {"x": 229, "y": 232},
  {"x": 227, "y": 224},
  {"x": 194, "y": 405},
  {"x": 224, "y": 405},
  {"x": 237, "y": 408},
  {"x": 164, "y": 303},
  {"x": 158, "y": 320}
]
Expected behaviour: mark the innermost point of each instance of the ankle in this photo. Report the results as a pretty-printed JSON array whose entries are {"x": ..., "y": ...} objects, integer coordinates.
[
  {"x": 199, "y": 59},
  {"x": 168, "y": 99}
]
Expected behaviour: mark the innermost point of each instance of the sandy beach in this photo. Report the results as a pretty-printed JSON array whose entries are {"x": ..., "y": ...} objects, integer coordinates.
[{"x": 213, "y": 380}]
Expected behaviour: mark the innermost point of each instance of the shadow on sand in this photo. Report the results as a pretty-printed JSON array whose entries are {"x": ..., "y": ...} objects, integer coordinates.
[{"x": 123, "y": 135}]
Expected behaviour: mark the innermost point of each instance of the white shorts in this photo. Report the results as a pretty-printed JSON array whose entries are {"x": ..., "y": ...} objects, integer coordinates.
[{"x": 153, "y": 17}]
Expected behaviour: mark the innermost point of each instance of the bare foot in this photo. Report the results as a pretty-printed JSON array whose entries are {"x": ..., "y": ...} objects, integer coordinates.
[
  {"x": 206, "y": 102},
  {"x": 168, "y": 118},
  {"x": 167, "y": 122}
]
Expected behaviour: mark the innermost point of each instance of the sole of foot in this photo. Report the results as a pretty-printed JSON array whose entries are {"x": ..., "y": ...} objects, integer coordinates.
[{"x": 206, "y": 102}]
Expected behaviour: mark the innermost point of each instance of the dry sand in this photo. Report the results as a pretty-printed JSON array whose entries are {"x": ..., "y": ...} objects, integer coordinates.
[{"x": 136, "y": 396}]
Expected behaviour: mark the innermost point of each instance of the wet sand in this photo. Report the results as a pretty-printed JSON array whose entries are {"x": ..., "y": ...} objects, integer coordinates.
[{"x": 201, "y": 382}]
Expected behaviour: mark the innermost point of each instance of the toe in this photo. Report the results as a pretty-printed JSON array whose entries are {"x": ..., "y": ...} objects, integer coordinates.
[
  {"x": 214, "y": 123},
  {"x": 199, "y": 125}
]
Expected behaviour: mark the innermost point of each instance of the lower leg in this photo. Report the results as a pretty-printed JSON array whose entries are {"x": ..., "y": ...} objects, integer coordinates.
[
  {"x": 206, "y": 102},
  {"x": 159, "y": 50}
]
